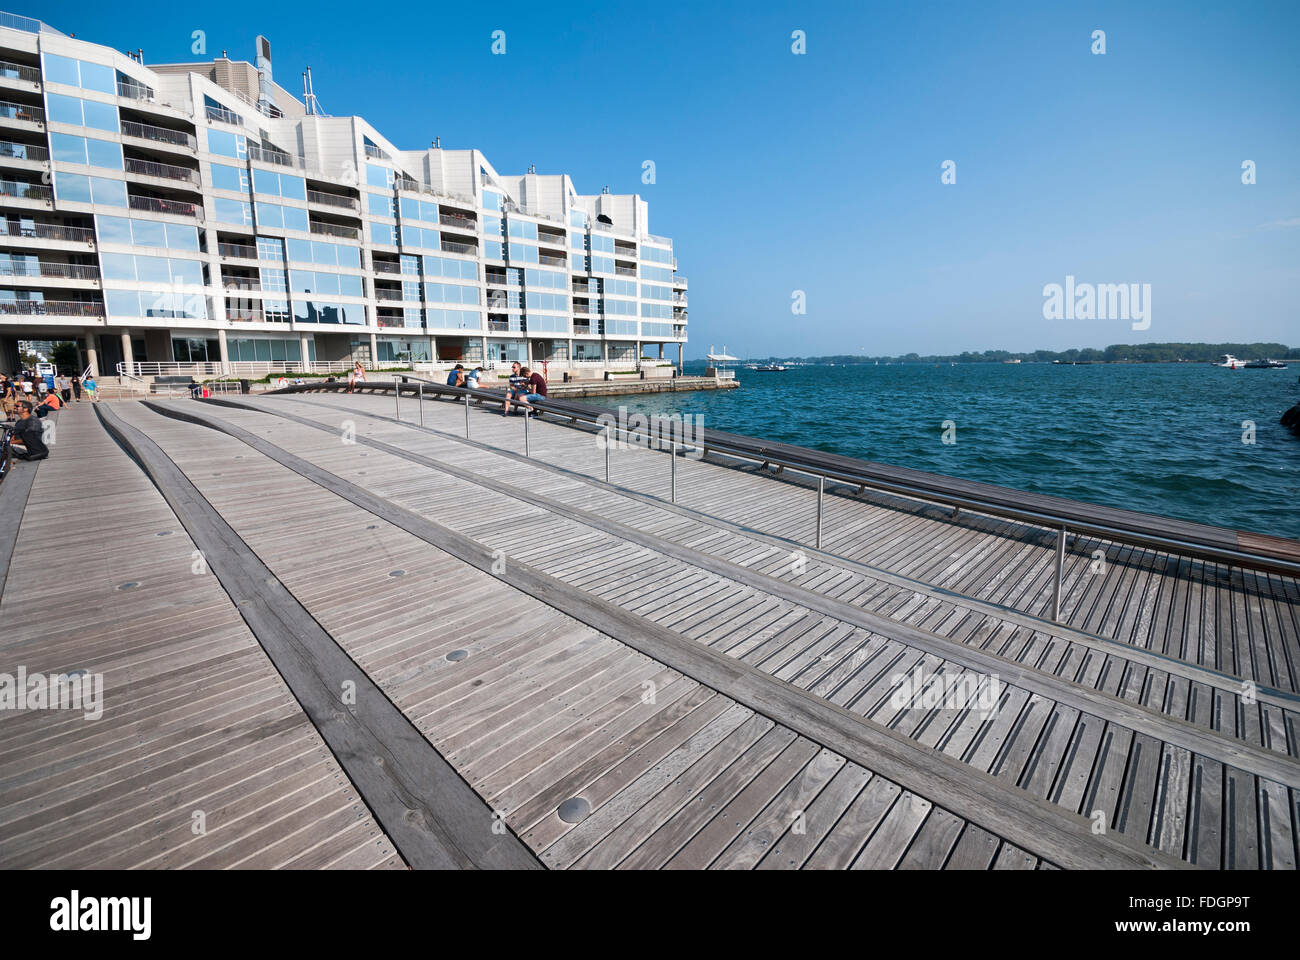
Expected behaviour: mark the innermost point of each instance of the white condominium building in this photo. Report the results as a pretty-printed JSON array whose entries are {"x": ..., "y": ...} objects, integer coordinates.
[{"x": 196, "y": 218}]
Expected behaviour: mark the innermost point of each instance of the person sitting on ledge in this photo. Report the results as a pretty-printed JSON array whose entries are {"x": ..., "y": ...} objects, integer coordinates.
[
  {"x": 534, "y": 390},
  {"x": 456, "y": 376},
  {"x": 28, "y": 442},
  {"x": 51, "y": 404},
  {"x": 516, "y": 388}
]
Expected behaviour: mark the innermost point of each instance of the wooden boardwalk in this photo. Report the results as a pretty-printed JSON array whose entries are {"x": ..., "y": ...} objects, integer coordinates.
[
  {"x": 202, "y": 757},
  {"x": 621, "y": 681}
]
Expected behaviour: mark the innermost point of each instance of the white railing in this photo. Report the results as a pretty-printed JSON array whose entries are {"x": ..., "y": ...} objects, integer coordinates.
[{"x": 240, "y": 368}]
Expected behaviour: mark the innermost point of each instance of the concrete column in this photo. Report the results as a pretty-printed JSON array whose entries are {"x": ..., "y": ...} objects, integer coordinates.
[
  {"x": 225, "y": 352},
  {"x": 661, "y": 351},
  {"x": 637, "y": 356},
  {"x": 681, "y": 348},
  {"x": 304, "y": 347},
  {"x": 433, "y": 349},
  {"x": 92, "y": 355},
  {"x": 486, "y": 358},
  {"x": 374, "y": 349},
  {"x": 127, "y": 356}
]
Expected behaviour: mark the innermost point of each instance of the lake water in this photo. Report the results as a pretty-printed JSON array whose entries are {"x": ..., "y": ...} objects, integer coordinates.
[{"x": 1161, "y": 438}]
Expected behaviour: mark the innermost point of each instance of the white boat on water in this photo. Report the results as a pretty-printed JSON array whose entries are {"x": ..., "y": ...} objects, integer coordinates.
[{"x": 1229, "y": 361}]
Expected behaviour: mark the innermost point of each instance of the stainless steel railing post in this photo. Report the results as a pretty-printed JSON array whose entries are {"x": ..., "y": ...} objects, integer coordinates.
[
  {"x": 420, "y": 397},
  {"x": 526, "y": 418},
  {"x": 467, "y": 416},
  {"x": 672, "y": 452},
  {"x": 609, "y": 437},
  {"x": 821, "y": 491},
  {"x": 397, "y": 396},
  {"x": 1060, "y": 568}
]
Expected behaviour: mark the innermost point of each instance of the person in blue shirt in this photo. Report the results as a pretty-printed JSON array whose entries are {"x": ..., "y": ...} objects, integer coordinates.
[{"x": 456, "y": 376}]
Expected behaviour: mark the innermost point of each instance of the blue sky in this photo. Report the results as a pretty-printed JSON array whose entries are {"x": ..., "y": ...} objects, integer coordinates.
[{"x": 821, "y": 172}]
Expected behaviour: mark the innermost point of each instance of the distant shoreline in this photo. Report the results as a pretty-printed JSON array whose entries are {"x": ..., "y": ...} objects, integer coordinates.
[{"x": 1126, "y": 354}]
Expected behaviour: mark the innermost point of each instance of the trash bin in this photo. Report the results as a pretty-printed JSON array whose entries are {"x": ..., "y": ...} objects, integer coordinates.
[{"x": 243, "y": 386}]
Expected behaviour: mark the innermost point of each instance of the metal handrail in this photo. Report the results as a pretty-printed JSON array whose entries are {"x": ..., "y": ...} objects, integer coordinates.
[
  {"x": 147, "y": 131},
  {"x": 19, "y": 71},
  {"x": 1061, "y": 524}
]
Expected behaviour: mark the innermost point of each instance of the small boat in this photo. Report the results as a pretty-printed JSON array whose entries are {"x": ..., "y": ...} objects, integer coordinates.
[
  {"x": 1266, "y": 364},
  {"x": 1229, "y": 361},
  {"x": 770, "y": 368},
  {"x": 1013, "y": 360}
]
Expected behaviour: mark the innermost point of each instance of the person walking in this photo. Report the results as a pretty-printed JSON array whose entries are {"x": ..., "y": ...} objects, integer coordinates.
[
  {"x": 92, "y": 387},
  {"x": 65, "y": 387},
  {"x": 76, "y": 387}
]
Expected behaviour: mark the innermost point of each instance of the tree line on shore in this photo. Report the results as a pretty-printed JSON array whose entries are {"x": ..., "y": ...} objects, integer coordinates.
[{"x": 1116, "y": 353}]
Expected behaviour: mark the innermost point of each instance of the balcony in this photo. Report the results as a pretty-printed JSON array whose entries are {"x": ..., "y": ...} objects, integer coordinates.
[
  {"x": 25, "y": 191},
  {"x": 147, "y": 131},
  {"x": 375, "y": 153},
  {"x": 451, "y": 220},
  {"x": 131, "y": 90},
  {"x": 331, "y": 199},
  {"x": 51, "y": 308},
  {"x": 45, "y": 268},
  {"x": 383, "y": 266},
  {"x": 46, "y": 231},
  {"x": 245, "y": 316},
  {"x": 19, "y": 71},
  {"x": 450, "y": 246},
  {"x": 679, "y": 298},
  {"x": 581, "y": 328},
  {"x": 242, "y": 250},
  {"x": 505, "y": 326},
  {"x": 278, "y": 157},
  {"x": 333, "y": 230},
  {"x": 222, "y": 115},
  {"x": 21, "y": 111},
  {"x": 679, "y": 281},
  {"x": 552, "y": 261},
  {"x": 176, "y": 208},
  {"x": 165, "y": 171},
  {"x": 23, "y": 151},
  {"x": 241, "y": 283},
  {"x": 625, "y": 271}
]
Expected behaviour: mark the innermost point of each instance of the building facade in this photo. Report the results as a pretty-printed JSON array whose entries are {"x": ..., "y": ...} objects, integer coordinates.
[{"x": 197, "y": 218}]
